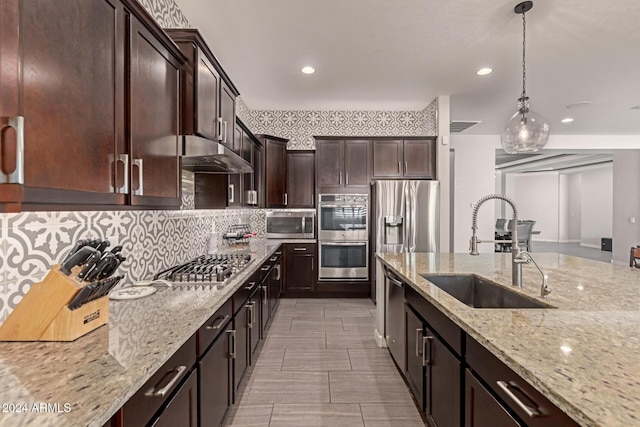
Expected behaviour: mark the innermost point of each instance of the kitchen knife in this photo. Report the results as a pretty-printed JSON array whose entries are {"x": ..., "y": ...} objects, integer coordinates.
[
  {"x": 105, "y": 287},
  {"x": 76, "y": 259},
  {"x": 103, "y": 245},
  {"x": 81, "y": 296},
  {"x": 112, "y": 267},
  {"x": 100, "y": 267},
  {"x": 79, "y": 244},
  {"x": 91, "y": 262},
  {"x": 116, "y": 249}
]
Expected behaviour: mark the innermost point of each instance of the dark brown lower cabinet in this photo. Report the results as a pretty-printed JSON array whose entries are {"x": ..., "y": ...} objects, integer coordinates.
[
  {"x": 300, "y": 268},
  {"x": 481, "y": 408},
  {"x": 182, "y": 410},
  {"x": 265, "y": 311},
  {"x": 415, "y": 373},
  {"x": 442, "y": 382},
  {"x": 254, "y": 307},
  {"x": 275, "y": 285},
  {"x": 241, "y": 326},
  {"x": 215, "y": 379}
]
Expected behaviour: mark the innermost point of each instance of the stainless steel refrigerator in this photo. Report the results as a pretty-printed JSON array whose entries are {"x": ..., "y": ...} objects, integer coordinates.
[{"x": 405, "y": 218}]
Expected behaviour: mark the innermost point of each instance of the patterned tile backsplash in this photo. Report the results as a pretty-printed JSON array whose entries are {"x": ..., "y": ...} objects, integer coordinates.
[{"x": 31, "y": 243}]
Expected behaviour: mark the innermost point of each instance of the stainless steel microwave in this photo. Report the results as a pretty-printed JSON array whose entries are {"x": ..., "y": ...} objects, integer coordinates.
[{"x": 291, "y": 225}]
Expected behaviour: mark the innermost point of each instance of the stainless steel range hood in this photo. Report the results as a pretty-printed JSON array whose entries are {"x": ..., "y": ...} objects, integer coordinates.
[{"x": 205, "y": 155}]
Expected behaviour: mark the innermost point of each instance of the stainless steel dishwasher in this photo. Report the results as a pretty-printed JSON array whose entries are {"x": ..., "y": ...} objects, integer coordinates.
[{"x": 395, "y": 326}]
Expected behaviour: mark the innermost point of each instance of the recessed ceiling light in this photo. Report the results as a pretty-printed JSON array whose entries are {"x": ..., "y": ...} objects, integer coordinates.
[
  {"x": 567, "y": 120},
  {"x": 308, "y": 70},
  {"x": 580, "y": 104},
  {"x": 484, "y": 71}
]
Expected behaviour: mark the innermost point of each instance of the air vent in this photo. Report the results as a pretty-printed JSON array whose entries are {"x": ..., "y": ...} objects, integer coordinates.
[
  {"x": 459, "y": 126},
  {"x": 637, "y": 107}
]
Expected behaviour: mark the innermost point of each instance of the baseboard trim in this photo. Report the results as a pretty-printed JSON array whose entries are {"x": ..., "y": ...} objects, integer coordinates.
[
  {"x": 380, "y": 340},
  {"x": 586, "y": 245}
]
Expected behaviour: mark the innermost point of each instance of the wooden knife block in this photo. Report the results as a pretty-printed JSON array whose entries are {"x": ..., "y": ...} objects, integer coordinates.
[{"x": 43, "y": 315}]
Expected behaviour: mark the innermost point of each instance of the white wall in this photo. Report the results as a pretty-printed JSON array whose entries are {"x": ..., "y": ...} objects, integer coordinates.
[
  {"x": 574, "y": 213},
  {"x": 474, "y": 178},
  {"x": 536, "y": 196},
  {"x": 626, "y": 203},
  {"x": 563, "y": 208},
  {"x": 597, "y": 206}
]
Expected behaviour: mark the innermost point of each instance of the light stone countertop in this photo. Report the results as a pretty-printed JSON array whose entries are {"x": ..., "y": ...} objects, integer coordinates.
[
  {"x": 99, "y": 372},
  {"x": 583, "y": 355}
]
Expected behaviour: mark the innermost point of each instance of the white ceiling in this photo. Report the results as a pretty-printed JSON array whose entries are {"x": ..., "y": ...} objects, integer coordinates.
[{"x": 400, "y": 54}]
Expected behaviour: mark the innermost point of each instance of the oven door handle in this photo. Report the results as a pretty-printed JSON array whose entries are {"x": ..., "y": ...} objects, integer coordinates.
[{"x": 344, "y": 243}]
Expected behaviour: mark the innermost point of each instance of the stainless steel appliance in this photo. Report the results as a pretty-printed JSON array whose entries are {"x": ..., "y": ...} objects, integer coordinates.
[
  {"x": 405, "y": 217},
  {"x": 395, "y": 325},
  {"x": 205, "y": 270},
  {"x": 343, "y": 260},
  {"x": 291, "y": 225},
  {"x": 343, "y": 217}
]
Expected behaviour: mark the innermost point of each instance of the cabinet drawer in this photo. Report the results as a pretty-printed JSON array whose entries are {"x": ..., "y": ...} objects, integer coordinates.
[
  {"x": 249, "y": 287},
  {"x": 441, "y": 324},
  {"x": 518, "y": 395},
  {"x": 155, "y": 392},
  {"x": 301, "y": 248},
  {"x": 214, "y": 326}
]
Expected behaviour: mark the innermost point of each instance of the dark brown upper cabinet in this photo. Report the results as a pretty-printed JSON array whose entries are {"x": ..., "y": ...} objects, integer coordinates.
[
  {"x": 408, "y": 158},
  {"x": 301, "y": 167},
  {"x": 342, "y": 164},
  {"x": 208, "y": 95},
  {"x": 69, "y": 91},
  {"x": 275, "y": 171}
]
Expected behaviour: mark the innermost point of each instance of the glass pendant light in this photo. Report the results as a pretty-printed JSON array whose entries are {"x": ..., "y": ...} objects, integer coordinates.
[{"x": 526, "y": 131}]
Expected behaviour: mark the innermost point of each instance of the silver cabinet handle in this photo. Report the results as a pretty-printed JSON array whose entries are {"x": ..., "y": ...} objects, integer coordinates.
[
  {"x": 232, "y": 335},
  {"x": 272, "y": 259},
  {"x": 395, "y": 282},
  {"x": 250, "y": 315},
  {"x": 219, "y": 128},
  {"x": 225, "y": 132},
  {"x": 340, "y": 178},
  {"x": 406, "y": 167},
  {"x": 164, "y": 390},
  {"x": 17, "y": 123},
  {"x": 277, "y": 267},
  {"x": 124, "y": 159},
  {"x": 140, "y": 190},
  {"x": 284, "y": 197},
  {"x": 231, "y": 195},
  {"x": 264, "y": 291},
  {"x": 265, "y": 268},
  {"x": 250, "y": 287},
  {"x": 504, "y": 385},
  {"x": 426, "y": 349},
  {"x": 219, "y": 324},
  {"x": 418, "y": 336},
  {"x": 299, "y": 249},
  {"x": 400, "y": 168}
]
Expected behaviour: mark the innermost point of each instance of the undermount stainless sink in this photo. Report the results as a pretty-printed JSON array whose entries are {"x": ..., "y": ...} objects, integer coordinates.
[{"x": 478, "y": 292}]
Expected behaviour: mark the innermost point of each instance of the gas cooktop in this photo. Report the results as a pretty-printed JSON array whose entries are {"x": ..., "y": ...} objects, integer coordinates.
[{"x": 205, "y": 270}]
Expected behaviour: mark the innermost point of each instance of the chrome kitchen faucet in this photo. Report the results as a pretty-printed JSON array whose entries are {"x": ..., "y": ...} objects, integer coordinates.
[{"x": 517, "y": 257}]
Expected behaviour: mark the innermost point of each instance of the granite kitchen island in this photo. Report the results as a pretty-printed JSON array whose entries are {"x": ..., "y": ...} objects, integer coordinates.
[{"x": 583, "y": 355}]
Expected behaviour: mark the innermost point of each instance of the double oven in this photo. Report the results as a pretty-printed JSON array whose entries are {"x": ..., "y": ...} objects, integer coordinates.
[{"x": 343, "y": 237}]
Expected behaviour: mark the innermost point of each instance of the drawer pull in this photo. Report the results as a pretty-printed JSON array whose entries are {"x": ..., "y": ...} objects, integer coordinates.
[
  {"x": 265, "y": 268},
  {"x": 164, "y": 390},
  {"x": 278, "y": 253},
  {"x": 272, "y": 259},
  {"x": 232, "y": 353},
  {"x": 250, "y": 287},
  {"x": 219, "y": 324},
  {"x": 532, "y": 412},
  {"x": 17, "y": 123},
  {"x": 426, "y": 350},
  {"x": 299, "y": 249},
  {"x": 418, "y": 336}
]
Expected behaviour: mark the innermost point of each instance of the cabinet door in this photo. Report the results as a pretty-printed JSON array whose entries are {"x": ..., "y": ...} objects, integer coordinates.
[
  {"x": 71, "y": 93},
  {"x": 329, "y": 163},
  {"x": 414, "y": 352},
  {"x": 276, "y": 173},
  {"x": 481, "y": 408},
  {"x": 248, "y": 183},
  {"x": 419, "y": 159},
  {"x": 155, "y": 164},
  {"x": 259, "y": 175},
  {"x": 301, "y": 168},
  {"x": 275, "y": 286},
  {"x": 241, "y": 325},
  {"x": 387, "y": 159},
  {"x": 356, "y": 163},
  {"x": 265, "y": 309},
  {"x": 442, "y": 381},
  {"x": 183, "y": 408},
  {"x": 207, "y": 86},
  {"x": 300, "y": 271},
  {"x": 228, "y": 116},
  {"x": 215, "y": 381},
  {"x": 254, "y": 325}
]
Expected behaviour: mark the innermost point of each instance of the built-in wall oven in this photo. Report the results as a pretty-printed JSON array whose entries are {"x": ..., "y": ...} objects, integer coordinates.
[
  {"x": 343, "y": 260},
  {"x": 343, "y": 217},
  {"x": 343, "y": 233}
]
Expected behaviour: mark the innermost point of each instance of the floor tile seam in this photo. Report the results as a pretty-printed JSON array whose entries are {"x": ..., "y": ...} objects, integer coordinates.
[
  {"x": 329, "y": 386},
  {"x": 273, "y": 405},
  {"x": 361, "y": 413}
]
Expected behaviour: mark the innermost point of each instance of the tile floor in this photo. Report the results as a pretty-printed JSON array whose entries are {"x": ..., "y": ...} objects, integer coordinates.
[{"x": 320, "y": 366}]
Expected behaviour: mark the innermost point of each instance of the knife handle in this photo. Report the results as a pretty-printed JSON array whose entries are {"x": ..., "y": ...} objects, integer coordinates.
[
  {"x": 76, "y": 259},
  {"x": 103, "y": 245},
  {"x": 91, "y": 261},
  {"x": 116, "y": 249},
  {"x": 80, "y": 297}
]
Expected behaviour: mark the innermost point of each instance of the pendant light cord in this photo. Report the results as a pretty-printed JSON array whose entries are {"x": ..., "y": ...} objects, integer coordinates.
[{"x": 524, "y": 52}]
